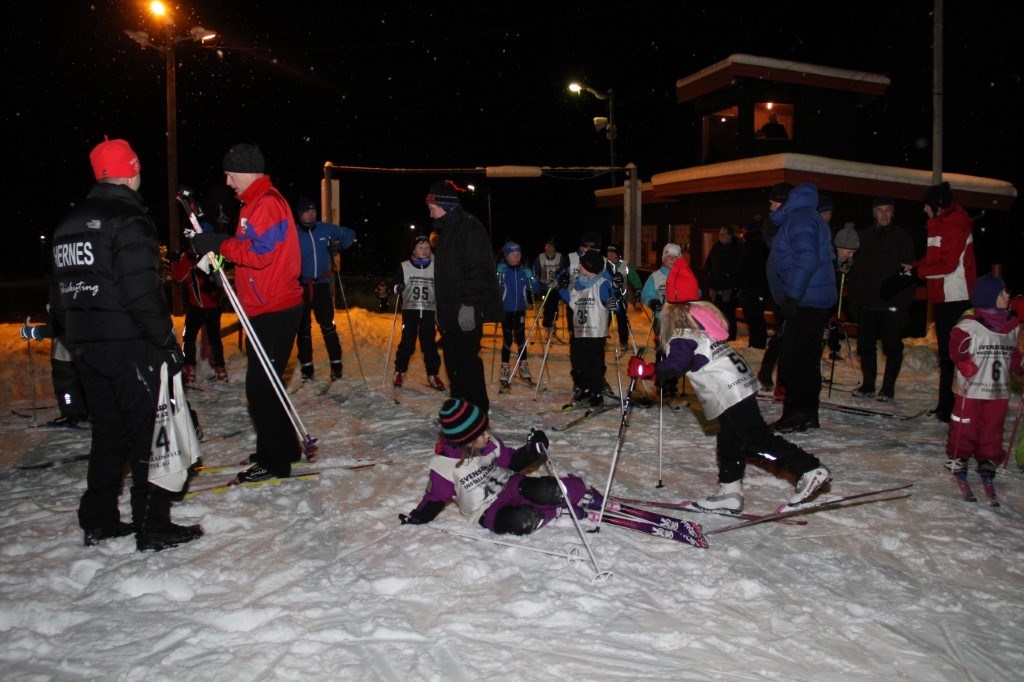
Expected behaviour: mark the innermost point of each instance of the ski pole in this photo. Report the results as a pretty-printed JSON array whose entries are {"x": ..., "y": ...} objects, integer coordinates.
[
  {"x": 661, "y": 427},
  {"x": 351, "y": 328},
  {"x": 572, "y": 555},
  {"x": 494, "y": 347},
  {"x": 308, "y": 442},
  {"x": 31, "y": 372},
  {"x": 544, "y": 361},
  {"x": 618, "y": 447},
  {"x": 526, "y": 341},
  {"x": 1013, "y": 432},
  {"x": 391, "y": 340},
  {"x": 618, "y": 367},
  {"x": 601, "y": 576}
]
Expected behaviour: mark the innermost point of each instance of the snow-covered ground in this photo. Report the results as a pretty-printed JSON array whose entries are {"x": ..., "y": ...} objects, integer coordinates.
[{"x": 316, "y": 579}]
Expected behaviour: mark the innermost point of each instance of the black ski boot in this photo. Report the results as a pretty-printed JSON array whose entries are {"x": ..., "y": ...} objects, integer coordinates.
[{"x": 165, "y": 537}]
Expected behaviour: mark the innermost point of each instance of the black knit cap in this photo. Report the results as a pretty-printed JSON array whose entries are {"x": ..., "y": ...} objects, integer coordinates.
[
  {"x": 461, "y": 422},
  {"x": 825, "y": 203},
  {"x": 939, "y": 196},
  {"x": 593, "y": 261},
  {"x": 780, "y": 192},
  {"x": 244, "y": 158},
  {"x": 882, "y": 201},
  {"x": 444, "y": 193},
  {"x": 591, "y": 240}
]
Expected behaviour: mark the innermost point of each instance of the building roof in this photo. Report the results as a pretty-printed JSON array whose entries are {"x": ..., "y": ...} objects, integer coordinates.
[
  {"x": 833, "y": 175},
  {"x": 722, "y": 74}
]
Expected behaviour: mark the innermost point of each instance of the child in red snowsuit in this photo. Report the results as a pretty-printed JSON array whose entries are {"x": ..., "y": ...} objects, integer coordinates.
[{"x": 983, "y": 346}]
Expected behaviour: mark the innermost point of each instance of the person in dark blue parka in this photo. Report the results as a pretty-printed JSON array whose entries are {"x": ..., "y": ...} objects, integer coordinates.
[{"x": 803, "y": 284}]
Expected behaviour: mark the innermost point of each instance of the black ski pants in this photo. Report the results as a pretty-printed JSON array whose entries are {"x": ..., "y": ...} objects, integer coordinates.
[
  {"x": 121, "y": 381},
  {"x": 513, "y": 330},
  {"x": 464, "y": 367},
  {"x": 419, "y": 324},
  {"x": 318, "y": 301},
  {"x": 800, "y": 360},
  {"x": 277, "y": 444},
  {"x": 195, "y": 319},
  {"x": 742, "y": 431}
]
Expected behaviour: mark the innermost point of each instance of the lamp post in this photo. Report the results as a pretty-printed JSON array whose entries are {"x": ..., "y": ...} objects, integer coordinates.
[
  {"x": 607, "y": 124},
  {"x": 167, "y": 48}
]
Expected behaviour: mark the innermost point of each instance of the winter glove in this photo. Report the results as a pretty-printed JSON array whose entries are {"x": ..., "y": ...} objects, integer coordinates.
[
  {"x": 789, "y": 307},
  {"x": 563, "y": 280},
  {"x": 399, "y": 288},
  {"x": 894, "y": 284},
  {"x": 655, "y": 305},
  {"x": 638, "y": 369},
  {"x": 30, "y": 333},
  {"x": 467, "y": 318},
  {"x": 204, "y": 242},
  {"x": 967, "y": 368},
  {"x": 619, "y": 281},
  {"x": 537, "y": 439},
  {"x": 174, "y": 360}
]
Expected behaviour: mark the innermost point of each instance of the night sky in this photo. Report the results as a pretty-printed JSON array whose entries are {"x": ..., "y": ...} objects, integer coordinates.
[{"x": 457, "y": 84}]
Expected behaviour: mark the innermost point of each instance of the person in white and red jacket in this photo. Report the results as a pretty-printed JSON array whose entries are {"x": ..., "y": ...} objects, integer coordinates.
[{"x": 949, "y": 270}]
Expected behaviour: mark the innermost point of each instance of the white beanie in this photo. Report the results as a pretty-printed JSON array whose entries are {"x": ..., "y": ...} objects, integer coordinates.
[{"x": 671, "y": 250}]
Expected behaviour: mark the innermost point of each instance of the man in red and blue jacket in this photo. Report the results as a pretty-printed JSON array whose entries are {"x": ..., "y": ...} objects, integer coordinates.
[{"x": 265, "y": 251}]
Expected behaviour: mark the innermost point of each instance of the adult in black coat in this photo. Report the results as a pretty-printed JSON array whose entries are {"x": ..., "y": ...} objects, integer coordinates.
[
  {"x": 753, "y": 283},
  {"x": 466, "y": 289},
  {"x": 881, "y": 312},
  {"x": 107, "y": 302},
  {"x": 722, "y": 267}
]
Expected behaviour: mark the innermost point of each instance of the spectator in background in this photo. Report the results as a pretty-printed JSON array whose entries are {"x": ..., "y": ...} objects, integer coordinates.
[
  {"x": 881, "y": 314},
  {"x": 722, "y": 267},
  {"x": 204, "y": 310},
  {"x": 317, "y": 278},
  {"x": 803, "y": 283},
  {"x": 546, "y": 268},
  {"x": 949, "y": 270},
  {"x": 753, "y": 283},
  {"x": 618, "y": 265}
]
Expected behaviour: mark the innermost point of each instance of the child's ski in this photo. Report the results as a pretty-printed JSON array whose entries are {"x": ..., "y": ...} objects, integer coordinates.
[
  {"x": 689, "y": 506},
  {"x": 807, "y": 508},
  {"x": 223, "y": 488},
  {"x": 684, "y": 531}
]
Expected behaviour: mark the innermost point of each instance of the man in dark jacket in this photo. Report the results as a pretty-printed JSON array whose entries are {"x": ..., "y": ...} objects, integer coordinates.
[
  {"x": 722, "y": 267},
  {"x": 107, "y": 302},
  {"x": 803, "y": 283},
  {"x": 754, "y": 296},
  {"x": 467, "y": 291},
  {"x": 880, "y": 312}
]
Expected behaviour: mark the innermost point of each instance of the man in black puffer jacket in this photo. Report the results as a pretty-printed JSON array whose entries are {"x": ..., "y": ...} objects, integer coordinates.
[
  {"x": 107, "y": 302},
  {"x": 466, "y": 289}
]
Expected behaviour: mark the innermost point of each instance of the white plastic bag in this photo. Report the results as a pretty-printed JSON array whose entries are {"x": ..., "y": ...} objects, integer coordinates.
[{"x": 175, "y": 446}]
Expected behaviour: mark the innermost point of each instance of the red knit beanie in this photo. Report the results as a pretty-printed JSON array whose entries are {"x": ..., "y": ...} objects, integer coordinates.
[
  {"x": 114, "y": 159},
  {"x": 681, "y": 285}
]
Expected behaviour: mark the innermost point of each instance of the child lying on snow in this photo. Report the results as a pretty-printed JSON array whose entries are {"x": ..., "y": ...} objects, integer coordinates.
[{"x": 481, "y": 474}]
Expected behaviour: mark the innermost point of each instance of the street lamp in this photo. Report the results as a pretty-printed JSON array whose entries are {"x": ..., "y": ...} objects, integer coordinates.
[
  {"x": 601, "y": 122},
  {"x": 167, "y": 48}
]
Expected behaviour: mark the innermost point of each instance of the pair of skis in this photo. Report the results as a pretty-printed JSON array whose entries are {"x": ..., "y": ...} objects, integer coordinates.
[{"x": 625, "y": 515}]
